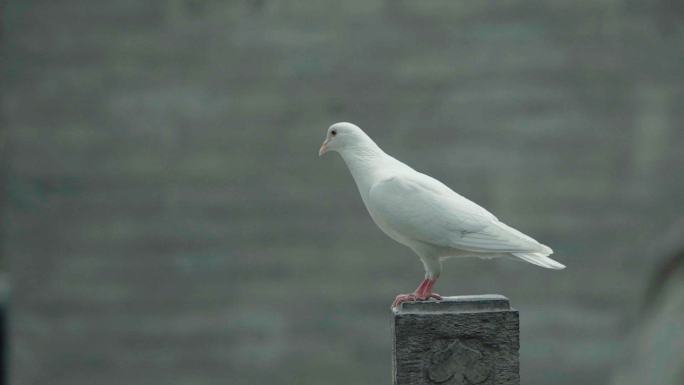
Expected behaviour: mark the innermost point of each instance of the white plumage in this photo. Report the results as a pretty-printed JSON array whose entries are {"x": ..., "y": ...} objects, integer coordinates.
[{"x": 425, "y": 215}]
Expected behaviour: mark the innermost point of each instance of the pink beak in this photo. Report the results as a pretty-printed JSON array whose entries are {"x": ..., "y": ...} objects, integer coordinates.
[{"x": 324, "y": 148}]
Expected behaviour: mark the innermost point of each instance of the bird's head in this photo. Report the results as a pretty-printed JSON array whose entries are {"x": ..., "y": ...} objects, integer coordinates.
[{"x": 341, "y": 136}]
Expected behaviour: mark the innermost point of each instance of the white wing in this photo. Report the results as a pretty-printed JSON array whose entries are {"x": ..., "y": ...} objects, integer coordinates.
[{"x": 420, "y": 207}]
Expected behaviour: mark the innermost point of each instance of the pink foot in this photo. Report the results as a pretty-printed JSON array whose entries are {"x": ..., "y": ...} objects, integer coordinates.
[
  {"x": 401, "y": 298},
  {"x": 422, "y": 293},
  {"x": 413, "y": 297}
]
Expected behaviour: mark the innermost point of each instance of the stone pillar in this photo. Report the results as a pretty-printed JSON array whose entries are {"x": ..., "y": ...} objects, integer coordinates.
[{"x": 461, "y": 340}]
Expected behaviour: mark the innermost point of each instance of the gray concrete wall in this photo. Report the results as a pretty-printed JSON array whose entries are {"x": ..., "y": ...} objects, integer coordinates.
[
  {"x": 655, "y": 351},
  {"x": 167, "y": 212}
]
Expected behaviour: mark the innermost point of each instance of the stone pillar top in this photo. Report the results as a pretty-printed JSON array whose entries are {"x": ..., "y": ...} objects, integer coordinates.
[{"x": 457, "y": 304}]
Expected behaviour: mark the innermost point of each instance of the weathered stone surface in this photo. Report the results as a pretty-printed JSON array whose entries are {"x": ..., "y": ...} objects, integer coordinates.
[{"x": 458, "y": 341}]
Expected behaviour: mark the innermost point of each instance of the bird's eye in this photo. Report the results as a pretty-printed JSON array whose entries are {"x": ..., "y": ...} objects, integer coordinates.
[{"x": 333, "y": 132}]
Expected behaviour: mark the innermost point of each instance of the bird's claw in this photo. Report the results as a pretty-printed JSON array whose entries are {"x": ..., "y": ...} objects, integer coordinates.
[
  {"x": 413, "y": 297},
  {"x": 401, "y": 298}
]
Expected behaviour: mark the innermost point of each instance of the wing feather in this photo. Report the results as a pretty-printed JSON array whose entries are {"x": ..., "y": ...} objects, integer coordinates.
[{"x": 421, "y": 208}]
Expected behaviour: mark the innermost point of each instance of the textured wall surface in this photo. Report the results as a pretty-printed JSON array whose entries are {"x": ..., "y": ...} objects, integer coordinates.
[
  {"x": 655, "y": 352},
  {"x": 169, "y": 222}
]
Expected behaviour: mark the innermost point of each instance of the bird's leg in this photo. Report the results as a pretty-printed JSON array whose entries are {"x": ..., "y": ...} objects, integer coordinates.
[
  {"x": 421, "y": 288},
  {"x": 423, "y": 293}
]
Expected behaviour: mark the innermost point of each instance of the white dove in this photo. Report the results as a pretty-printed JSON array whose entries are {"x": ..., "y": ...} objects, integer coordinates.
[{"x": 425, "y": 215}]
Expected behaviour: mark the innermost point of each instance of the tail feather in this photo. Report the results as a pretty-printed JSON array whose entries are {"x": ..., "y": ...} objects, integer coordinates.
[{"x": 540, "y": 259}]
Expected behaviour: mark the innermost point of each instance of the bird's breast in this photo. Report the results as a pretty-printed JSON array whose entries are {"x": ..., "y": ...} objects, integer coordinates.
[{"x": 387, "y": 228}]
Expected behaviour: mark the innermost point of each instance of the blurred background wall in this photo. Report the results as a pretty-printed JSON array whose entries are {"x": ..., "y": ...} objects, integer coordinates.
[{"x": 167, "y": 220}]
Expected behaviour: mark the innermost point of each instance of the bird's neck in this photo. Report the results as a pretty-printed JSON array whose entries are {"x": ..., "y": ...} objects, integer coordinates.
[{"x": 365, "y": 163}]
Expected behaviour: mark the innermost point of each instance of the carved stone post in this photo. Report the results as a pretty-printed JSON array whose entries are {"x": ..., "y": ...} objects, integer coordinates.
[{"x": 458, "y": 341}]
